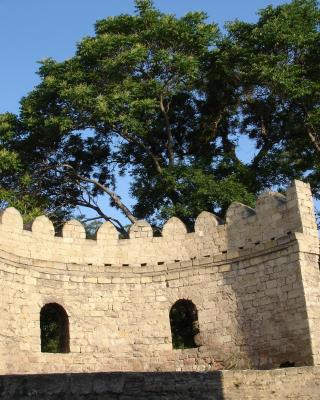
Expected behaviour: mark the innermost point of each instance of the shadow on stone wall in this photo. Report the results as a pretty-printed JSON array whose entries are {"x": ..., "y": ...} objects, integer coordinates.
[
  {"x": 266, "y": 277},
  {"x": 114, "y": 386}
]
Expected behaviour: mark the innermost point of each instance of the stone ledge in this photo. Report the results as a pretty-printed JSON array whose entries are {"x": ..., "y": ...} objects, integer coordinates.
[{"x": 281, "y": 384}]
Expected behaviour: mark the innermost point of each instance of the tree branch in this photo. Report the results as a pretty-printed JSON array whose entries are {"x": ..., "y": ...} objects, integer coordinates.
[
  {"x": 228, "y": 146},
  {"x": 116, "y": 199},
  {"x": 262, "y": 152},
  {"x": 313, "y": 137},
  {"x": 164, "y": 111},
  {"x": 125, "y": 135},
  {"x": 91, "y": 219},
  {"x": 216, "y": 123},
  {"x": 117, "y": 224}
]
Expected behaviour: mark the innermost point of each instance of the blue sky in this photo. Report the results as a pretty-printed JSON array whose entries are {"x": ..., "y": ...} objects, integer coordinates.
[{"x": 31, "y": 30}]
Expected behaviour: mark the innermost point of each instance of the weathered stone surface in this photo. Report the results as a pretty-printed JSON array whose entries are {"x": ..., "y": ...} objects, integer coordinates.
[
  {"x": 254, "y": 281},
  {"x": 42, "y": 227},
  {"x": 141, "y": 229}
]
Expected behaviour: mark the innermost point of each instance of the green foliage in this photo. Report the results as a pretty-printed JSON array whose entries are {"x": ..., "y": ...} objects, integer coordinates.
[
  {"x": 184, "y": 324},
  {"x": 280, "y": 92},
  {"x": 50, "y": 332},
  {"x": 9, "y": 160},
  {"x": 165, "y": 101},
  {"x": 15, "y": 182},
  {"x": 197, "y": 190},
  {"x": 51, "y": 339},
  {"x": 92, "y": 228},
  {"x": 54, "y": 328}
]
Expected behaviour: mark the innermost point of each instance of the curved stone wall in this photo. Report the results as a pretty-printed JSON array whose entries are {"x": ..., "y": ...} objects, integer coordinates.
[
  {"x": 253, "y": 281},
  {"x": 275, "y": 216}
]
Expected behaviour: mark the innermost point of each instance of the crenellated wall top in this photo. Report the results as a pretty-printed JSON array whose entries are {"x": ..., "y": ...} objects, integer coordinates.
[{"x": 275, "y": 215}]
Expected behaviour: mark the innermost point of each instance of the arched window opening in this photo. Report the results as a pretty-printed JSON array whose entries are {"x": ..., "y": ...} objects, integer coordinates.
[
  {"x": 184, "y": 324},
  {"x": 54, "y": 326}
]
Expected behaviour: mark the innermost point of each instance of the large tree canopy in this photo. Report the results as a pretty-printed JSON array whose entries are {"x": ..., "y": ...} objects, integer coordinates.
[
  {"x": 165, "y": 101},
  {"x": 277, "y": 61}
]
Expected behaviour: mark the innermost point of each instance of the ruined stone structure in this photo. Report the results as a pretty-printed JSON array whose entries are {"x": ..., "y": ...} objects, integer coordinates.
[{"x": 254, "y": 281}]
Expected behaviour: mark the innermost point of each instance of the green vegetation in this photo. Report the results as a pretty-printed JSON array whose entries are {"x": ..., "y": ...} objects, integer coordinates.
[
  {"x": 54, "y": 328},
  {"x": 166, "y": 100},
  {"x": 50, "y": 342},
  {"x": 184, "y": 324}
]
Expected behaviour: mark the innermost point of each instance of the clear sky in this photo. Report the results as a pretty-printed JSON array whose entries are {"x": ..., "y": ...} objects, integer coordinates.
[{"x": 31, "y": 30}]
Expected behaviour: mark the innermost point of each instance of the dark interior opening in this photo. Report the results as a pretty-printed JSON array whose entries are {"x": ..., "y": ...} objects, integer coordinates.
[
  {"x": 184, "y": 324},
  {"x": 54, "y": 326},
  {"x": 287, "y": 364}
]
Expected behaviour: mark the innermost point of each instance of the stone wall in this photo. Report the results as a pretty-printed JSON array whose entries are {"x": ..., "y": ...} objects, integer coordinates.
[
  {"x": 275, "y": 216},
  {"x": 282, "y": 384},
  {"x": 254, "y": 281}
]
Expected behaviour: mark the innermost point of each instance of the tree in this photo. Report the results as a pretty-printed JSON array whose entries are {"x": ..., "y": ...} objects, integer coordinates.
[
  {"x": 129, "y": 101},
  {"x": 165, "y": 100},
  {"x": 277, "y": 64},
  {"x": 16, "y": 183}
]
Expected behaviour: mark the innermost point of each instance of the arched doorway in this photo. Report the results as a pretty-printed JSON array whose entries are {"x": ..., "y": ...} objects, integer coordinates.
[{"x": 54, "y": 326}]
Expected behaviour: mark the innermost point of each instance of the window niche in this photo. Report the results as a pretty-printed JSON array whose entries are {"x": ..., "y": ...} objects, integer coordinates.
[
  {"x": 54, "y": 327},
  {"x": 184, "y": 324}
]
